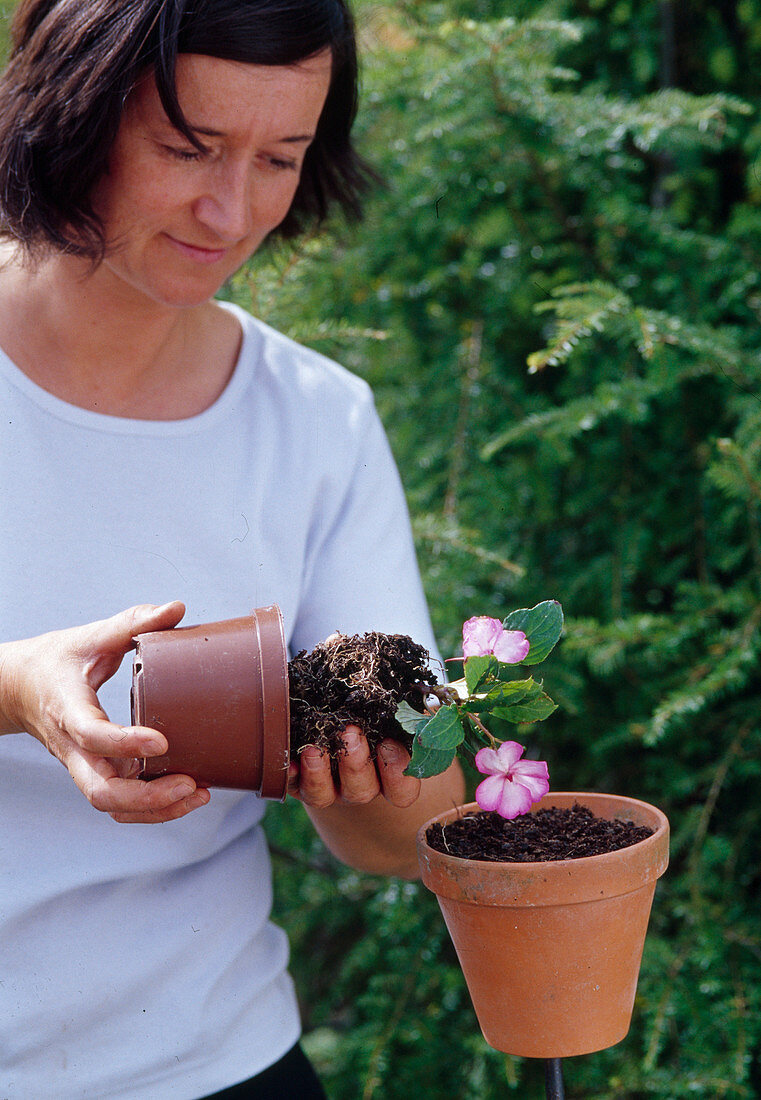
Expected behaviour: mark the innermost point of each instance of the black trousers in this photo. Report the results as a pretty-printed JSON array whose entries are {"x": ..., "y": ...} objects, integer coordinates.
[{"x": 292, "y": 1078}]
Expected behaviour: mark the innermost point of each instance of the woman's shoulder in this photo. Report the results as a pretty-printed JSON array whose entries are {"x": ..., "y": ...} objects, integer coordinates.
[{"x": 285, "y": 365}]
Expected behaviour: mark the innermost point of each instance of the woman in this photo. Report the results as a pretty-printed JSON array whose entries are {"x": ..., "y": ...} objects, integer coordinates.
[{"x": 155, "y": 443}]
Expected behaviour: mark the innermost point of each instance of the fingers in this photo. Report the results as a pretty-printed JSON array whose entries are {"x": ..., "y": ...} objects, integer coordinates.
[
  {"x": 80, "y": 716},
  {"x": 360, "y": 779},
  {"x": 311, "y": 780},
  {"x": 173, "y": 812},
  {"x": 356, "y": 770},
  {"x": 133, "y": 800},
  {"x": 400, "y": 789},
  {"x": 89, "y": 728},
  {"x": 84, "y": 719},
  {"x": 102, "y": 762}
]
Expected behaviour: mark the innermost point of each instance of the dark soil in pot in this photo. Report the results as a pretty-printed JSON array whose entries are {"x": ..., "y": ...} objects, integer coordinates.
[
  {"x": 355, "y": 680},
  {"x": 550, "y": 834}
]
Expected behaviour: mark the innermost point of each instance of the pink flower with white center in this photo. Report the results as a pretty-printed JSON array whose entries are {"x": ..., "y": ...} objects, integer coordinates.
[
  {"x": 513, "y": 784},
  {"x": 482, "y": 636}
]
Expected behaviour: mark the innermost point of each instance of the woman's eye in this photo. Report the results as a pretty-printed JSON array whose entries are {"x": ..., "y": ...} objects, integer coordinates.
[
  {"x": 187, "y": 155},
  {"x": 283, "y": 164}
]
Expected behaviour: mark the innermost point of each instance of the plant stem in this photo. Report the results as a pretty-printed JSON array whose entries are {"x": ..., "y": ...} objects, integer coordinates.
[
  {"x": 480, "y": 726},
  {"x": 442, "y": 693}
]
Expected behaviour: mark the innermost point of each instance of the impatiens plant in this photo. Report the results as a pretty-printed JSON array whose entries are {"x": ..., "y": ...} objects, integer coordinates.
[{"x": 477, "y": 713}]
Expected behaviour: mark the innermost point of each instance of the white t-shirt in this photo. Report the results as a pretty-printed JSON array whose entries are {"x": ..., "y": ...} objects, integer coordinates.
[{"x": 138, "y": 961}]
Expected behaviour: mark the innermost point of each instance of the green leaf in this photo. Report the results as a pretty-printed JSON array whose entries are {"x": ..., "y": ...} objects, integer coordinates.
[
  {"x": 508, "y": 673},
  {"x": 478, "y": 670},
  {"x": 542, "y": 625},
  {"x": 409, "y": 719},
  {"x": 529, "y": 710},
  {"x": 443, "y": 731},
  {"x": 426, "y": 761},
  {"x": 513, "y": 691},
  {"x": 502, "y": 693}
]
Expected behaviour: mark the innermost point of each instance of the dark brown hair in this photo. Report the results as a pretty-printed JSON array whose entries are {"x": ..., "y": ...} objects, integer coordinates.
[{"x": 74, "y": 62}]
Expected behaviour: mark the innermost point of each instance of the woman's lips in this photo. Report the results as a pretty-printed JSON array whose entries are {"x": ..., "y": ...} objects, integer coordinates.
[{"x": 195, "y": 252}]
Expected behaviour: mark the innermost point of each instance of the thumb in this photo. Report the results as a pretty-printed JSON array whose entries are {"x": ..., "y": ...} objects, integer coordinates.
[
  {"x": 123, "y": 627},
  {"x": 145, "y": 617}
]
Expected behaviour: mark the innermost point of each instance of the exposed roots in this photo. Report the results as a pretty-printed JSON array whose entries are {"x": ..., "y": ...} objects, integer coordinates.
[{"x": 358, "y": 680}]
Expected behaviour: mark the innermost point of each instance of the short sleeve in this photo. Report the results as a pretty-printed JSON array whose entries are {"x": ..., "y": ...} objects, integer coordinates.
[{"x": 361, "y": 571}]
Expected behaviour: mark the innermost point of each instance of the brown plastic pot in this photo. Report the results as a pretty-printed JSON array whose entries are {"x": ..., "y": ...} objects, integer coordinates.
[
  {"x": 219, "y": 694},
  {"x": 551, "y": 951}
]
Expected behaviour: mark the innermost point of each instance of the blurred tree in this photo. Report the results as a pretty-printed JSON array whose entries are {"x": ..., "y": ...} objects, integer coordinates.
[{"x": 564, "y": 270}]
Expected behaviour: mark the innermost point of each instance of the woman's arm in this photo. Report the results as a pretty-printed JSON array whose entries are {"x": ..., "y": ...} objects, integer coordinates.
[
  {"x": 48, "y": 688},
  {"x": 369, "y": 820},
  {"x": 360, "y": 574}
]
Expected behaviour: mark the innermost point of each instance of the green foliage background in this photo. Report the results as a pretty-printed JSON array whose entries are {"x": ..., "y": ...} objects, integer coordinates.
[{"x": 556, "y": 298}]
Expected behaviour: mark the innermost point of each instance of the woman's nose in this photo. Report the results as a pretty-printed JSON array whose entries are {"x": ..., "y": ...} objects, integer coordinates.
[{"x": 226, "y": 206}]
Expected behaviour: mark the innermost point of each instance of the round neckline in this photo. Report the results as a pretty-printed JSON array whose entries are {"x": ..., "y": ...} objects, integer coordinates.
[{"x": 106, "y": 422}]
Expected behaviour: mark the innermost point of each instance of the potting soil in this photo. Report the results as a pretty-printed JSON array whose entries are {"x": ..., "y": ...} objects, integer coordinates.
[{"x": 550, "y": 834}]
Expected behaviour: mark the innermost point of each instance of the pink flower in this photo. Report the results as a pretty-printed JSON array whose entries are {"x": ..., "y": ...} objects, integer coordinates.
[
  {"x": 513, "y": 784},
  {"x": 482, "y": 636}
]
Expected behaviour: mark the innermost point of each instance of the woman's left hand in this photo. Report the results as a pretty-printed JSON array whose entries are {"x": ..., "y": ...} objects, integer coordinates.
[{"x": 360, "y": 779}]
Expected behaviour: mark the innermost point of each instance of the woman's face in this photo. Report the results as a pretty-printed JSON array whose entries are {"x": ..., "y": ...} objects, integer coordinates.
[{"x": 178, "y": 221}]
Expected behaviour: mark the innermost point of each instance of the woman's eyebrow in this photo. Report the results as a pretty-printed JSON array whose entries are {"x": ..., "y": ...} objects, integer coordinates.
[{"x": 207, "y": 131}]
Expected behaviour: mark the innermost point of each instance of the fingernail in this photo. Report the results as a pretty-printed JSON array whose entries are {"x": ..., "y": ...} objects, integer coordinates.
[
  {"x": 182, "y": 790},
  {"x": 351, "y": 740},
  {"x": 311, "y": 757},
  {"x": 153, "y": 748},
  {"x": 389, "y": 754}
]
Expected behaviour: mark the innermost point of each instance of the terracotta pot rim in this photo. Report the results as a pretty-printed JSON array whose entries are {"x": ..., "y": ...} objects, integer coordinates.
[{"x": 552, "y": 882}]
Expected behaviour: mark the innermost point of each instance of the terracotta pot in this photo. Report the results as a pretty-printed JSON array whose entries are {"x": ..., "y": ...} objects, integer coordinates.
[
  {"x": 551, "y": 951},
  {"x": 219, "y": 694}
]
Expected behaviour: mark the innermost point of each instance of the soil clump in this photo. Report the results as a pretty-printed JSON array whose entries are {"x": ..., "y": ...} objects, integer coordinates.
[
  {"x": 357, "y": 680},
  {"x": 546, "y": 835}
]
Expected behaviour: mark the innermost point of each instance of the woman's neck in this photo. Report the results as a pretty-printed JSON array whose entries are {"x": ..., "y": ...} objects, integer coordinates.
[{"x": 91, "y": 340}]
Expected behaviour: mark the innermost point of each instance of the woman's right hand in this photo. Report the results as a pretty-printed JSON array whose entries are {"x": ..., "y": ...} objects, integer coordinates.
[{"x": 48, "y": 688}]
